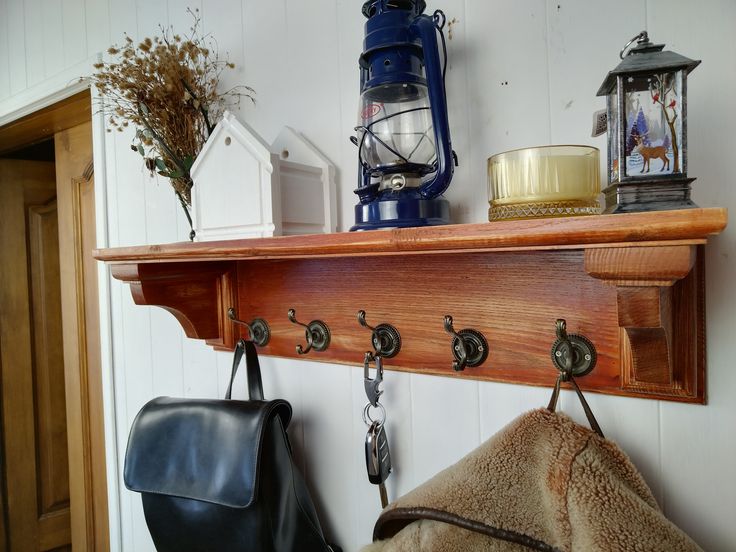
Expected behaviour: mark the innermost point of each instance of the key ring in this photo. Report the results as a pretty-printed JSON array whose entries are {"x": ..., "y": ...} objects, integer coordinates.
[{"x": 368, "y": 420}]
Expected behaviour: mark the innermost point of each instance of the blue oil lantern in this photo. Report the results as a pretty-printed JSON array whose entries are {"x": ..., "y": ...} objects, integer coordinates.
[{"x": 403, "y": 135}]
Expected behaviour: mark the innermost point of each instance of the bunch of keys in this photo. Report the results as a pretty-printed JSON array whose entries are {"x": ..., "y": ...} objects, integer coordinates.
[{"x": 377, "y": 453}]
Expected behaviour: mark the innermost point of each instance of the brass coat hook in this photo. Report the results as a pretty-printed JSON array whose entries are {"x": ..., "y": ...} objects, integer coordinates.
[
  {"x": 258, "y": 329},
  {"x": 574, "y": 356},
  {"x": 385, "y": 338},
  {"x": 316, "y": 332},
  {"x": 469, "y": 346}
]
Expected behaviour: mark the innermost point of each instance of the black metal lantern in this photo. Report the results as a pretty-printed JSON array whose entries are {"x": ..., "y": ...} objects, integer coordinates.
[{"x": 647, "y": 129}]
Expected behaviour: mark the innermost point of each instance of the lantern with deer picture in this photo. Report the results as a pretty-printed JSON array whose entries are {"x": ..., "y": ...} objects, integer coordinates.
[{"x": 647, "y": 129}]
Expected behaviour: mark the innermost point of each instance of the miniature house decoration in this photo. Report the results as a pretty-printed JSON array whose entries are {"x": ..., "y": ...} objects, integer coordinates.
[
  {"x": 242, "y": 189},
  {"x": 307, "y": 180},
  {"x": 647, "y": 129}
]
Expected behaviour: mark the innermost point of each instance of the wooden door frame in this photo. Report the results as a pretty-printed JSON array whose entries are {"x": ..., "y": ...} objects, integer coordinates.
[{"x": 37, "y": 120}]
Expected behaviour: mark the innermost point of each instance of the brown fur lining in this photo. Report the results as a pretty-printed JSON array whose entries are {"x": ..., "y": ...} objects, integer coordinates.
[{"x": 393, "y": 521}]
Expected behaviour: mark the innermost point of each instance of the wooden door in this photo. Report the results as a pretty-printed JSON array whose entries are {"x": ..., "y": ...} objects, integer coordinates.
[
  {"x": 81, "y": 336},
  {"x": 32, "y": 361}
]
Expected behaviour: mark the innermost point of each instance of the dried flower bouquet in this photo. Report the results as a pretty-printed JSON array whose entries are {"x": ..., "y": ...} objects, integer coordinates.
[{"x": 167, "y": 89}]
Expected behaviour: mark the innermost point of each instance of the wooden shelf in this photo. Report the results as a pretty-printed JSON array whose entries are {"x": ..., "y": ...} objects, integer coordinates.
[{"x": 633, "y": 284}]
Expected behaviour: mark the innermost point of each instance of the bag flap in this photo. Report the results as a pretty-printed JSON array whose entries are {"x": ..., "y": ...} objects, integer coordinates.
[{"x": 208, "y": 450}]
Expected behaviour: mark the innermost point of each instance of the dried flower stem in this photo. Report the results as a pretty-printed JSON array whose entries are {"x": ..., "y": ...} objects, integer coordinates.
[{"x": 166, "y": 88}]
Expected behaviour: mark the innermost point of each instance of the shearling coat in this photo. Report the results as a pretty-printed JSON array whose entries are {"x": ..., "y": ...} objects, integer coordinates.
[{"x": 542, "y": 483}]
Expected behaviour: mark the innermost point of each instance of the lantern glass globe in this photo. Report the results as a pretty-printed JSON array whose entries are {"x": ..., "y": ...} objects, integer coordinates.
[{"x": 395, "y": 132}]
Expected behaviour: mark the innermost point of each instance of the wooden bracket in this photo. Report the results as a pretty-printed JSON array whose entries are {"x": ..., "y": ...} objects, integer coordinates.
[
  {"x": 633, "y": 284},
  {"x": 659, "y": 331},
  {"x": 197, "y": 294}
]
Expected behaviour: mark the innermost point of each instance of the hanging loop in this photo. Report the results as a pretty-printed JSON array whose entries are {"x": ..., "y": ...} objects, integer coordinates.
[
  {"x": 469, "y": 346},
  {"x": 258, "y": 329},
  {"x": 385, "y": 338},
  {"x": 641, "y": 37},
  {"x": 316, "y": 333},
  {"x": 439, "y": 19}
]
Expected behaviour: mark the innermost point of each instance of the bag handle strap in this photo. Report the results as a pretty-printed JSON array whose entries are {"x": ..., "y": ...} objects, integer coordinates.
[{"x": 253, "y": 370}]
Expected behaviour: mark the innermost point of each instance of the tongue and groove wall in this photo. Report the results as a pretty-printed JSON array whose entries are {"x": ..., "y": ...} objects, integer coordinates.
[{"x": 520, "y": 74}]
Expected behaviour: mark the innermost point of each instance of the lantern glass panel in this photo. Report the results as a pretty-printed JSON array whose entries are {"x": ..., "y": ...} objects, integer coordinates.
[
  {"x": 613, "y": 173},
  {"x": 653, "y": 124},
  {"x": 395, "y": 127}
]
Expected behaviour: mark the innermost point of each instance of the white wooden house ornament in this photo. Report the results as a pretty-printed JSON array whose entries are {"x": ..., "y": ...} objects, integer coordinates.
[
  {"x": 245, "y": 189},
  {"x": 234, "y": 194},
  {"x": 307, "y": 181}
]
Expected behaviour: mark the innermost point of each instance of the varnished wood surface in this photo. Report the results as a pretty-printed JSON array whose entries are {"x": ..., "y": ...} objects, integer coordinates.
[
  {"x": 624, "y": 281},
  {"x": 51, "y": 441},
  {"x": 83, "y": 374},
  {"x": 486, "y": 292},
  {"x": 33, "y": 427},
  {"x": 43, "y": 124},
  {"x": 687, "y": 226},
  {"x": 514, "y": 298}
]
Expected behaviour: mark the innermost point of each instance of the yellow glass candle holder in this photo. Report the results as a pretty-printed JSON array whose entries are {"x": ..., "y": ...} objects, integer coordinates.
[{"x": 545, "y": 181}]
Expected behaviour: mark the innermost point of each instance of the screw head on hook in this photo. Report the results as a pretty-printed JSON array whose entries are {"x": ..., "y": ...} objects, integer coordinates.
[
  {"x": 469, "y": 347},
  {"x": 317, "y": 334},
  {"x": 385, "y": 338},
  {"x": 572, "y": 354}
]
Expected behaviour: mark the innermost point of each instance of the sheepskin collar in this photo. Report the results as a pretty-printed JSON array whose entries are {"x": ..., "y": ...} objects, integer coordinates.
[{"x": 542, "y": 483}]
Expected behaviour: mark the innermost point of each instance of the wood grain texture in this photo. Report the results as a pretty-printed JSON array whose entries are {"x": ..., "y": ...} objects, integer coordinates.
[
  {"x": 32, "y": 424},
  {"x": 640, "y": 266},
  {"x": 513, "y": 298},
  {"x": 482, "y": 291},
  {"x": 193, "y": 293},
  {"x": 628, "y": 297},
  {"x": 663, "y": 336},
  {"x": 43, "y": 124},
  {"x": 51, "y": 436},
  {"x": 75, "y": 196},
  {"x": 691, "y": 226}
]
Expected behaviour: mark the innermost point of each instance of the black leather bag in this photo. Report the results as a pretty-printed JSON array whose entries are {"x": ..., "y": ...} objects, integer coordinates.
[{"x": 218, "y": 476}]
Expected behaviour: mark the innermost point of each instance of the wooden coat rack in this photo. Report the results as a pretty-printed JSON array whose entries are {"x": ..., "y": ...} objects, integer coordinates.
[{"x": 633, "y": 284}]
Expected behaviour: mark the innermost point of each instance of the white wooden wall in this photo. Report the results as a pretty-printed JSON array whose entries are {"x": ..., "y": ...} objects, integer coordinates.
[{"x": 522, "y": 72}]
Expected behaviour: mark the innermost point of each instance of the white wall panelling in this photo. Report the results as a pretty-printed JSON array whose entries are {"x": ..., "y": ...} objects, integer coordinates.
[
  {"x": 53, "y": 37},
  {"x": 520, "y": 74},
  {"x": 711, "y": 118},
  {"x": 15, "y": 34},
  {"x": 106, "y": 360},
  {"x": 4, "y": 52}
]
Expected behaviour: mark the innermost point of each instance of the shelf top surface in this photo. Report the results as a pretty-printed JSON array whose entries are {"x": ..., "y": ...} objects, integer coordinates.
[{"x": 580, "y": 232}]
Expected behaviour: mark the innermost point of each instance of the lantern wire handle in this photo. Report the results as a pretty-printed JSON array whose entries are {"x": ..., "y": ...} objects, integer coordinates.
[
  {"x": 641, "y": 37},
  {"x": 439, "y": 22}
]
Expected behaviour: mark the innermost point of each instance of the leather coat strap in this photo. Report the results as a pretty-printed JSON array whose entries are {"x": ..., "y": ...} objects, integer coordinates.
[
  {"x": 586, "y": 408},
  {"x": 552, "y": 407},
  {"x": 253, "y": 370}
]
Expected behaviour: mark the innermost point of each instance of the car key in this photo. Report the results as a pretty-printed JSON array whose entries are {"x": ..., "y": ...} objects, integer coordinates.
[{"x": 378, "y": 458}]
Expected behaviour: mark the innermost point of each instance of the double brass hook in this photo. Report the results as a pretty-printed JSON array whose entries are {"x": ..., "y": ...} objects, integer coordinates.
[
  {"x": 316, "y": 333},
  {"x": 469, "y": 346},
  {"x": 258, "y": 329},
  {"x": 385, "y": 338},
  {"x": 573, "y": 355}
]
